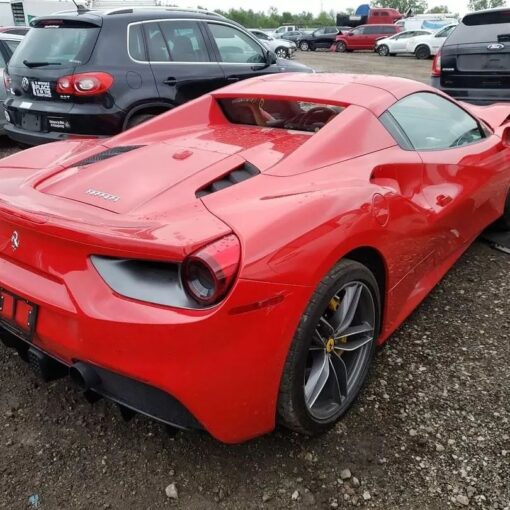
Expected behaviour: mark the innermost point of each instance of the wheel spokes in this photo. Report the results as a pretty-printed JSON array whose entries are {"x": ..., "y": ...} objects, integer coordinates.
[
  {"x": 319, "y": 375},
  {"x": 349, "y": 339},
  {"x": 340, "y": 373},
  {"x": 348, "y": 306}
]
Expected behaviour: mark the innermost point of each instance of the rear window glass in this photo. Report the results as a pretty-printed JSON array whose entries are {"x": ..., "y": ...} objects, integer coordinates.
[
  {"x": 487, "y": 18},
  {"x": 294, "y": 115},
  {"x": 56, "y": 44},
  {"x": 488, "y": 27}
]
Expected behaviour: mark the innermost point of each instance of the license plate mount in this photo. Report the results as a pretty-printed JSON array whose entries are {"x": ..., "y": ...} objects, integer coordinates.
[
  {"x": 17, "y": 315},
  {"x": 31, "y": 121}
]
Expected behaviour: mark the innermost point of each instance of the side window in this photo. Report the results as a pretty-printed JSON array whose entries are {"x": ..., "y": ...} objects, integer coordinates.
[
  {"x": 319, "y": 31},
  {"x": 445, "y": 32},
  {"x": 358, "y": 31},
  {"x": 3, "y": 63},
  {"x": 136, "y": 43},
  {"x": 262, "y": 36},
  {"x": 235, "y": 46},
  {"x": 373, "y": 30},
  {"x": 184, "y": 41},
  {"x": 434, "y": 123}
]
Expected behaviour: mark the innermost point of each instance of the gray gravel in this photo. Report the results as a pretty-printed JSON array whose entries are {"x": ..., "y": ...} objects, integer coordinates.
[{"x": 430, "y": 431}]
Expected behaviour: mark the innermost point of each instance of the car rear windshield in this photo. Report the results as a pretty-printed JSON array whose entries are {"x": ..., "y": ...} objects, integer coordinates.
[
  {"x": 484, "y": 27},
  {"x": 59, "y": 43},
  {"x": 294, "y": 115}
]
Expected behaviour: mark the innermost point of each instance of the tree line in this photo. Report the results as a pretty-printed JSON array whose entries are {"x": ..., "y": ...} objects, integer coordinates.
[{"x": 273, "y": 18}]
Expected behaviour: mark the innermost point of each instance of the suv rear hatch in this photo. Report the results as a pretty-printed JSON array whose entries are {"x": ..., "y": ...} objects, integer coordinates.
[
  {"x": 53, "y": 48},
  {"x": 477, "y": 54}
]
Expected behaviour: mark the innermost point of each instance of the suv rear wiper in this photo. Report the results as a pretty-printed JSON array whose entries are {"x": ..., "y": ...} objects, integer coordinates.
[{"x": 40, "y": 64}]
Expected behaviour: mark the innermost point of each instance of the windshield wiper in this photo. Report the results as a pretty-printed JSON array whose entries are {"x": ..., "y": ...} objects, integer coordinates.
[{"x": 40, "y": 64}]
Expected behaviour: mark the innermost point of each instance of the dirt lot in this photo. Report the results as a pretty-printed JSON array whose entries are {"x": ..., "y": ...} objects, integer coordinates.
[
  {"x": 431, "y": 430},
  {"x": 405, "y": 66}
]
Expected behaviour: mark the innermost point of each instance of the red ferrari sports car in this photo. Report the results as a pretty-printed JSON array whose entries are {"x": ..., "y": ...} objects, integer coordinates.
[{"x": 232, "y": 264}]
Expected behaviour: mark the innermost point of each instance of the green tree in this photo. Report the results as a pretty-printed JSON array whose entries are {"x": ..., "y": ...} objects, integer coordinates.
[
  {"x": 417, "y": 6},
  {"x": 478, "y": 5},
  {"x": 439, "y": 9},
  {"x": 272, "y": 18}
]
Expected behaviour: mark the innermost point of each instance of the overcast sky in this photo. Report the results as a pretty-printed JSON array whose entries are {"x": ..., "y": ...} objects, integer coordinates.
[{"x": 295, "y": 6}]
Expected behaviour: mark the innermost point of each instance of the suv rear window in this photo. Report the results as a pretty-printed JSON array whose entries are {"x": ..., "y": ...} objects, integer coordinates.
[
  {"x": 294, "y": 115},
  {"x": 58, "y": 42},
  {"x": 484, "y": 27}
]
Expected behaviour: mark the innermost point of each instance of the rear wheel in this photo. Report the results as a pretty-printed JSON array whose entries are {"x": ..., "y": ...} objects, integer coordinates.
[
  {"x": 138, "y": 119},
  {"x": 383, "y": 50},
  {"x": 332, "y": 350},
  {"x": 341, "y": 47},
  {"x": 422, "y": 52},
  {"x": 304, "y": 46},
  {"x": 503, "y": 224}
]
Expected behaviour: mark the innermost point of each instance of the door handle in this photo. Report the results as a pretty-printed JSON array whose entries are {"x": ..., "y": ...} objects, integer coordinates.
[
  {"x": 170, "y": 81},
  {"x": 233, "y": 77}
]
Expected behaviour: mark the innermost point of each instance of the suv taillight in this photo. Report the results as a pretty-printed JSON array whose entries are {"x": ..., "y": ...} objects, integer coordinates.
[
  {"x": 209, "y": 273},
  {"x": 436, "y": 65},
  {"x": 84, "y": 84}
]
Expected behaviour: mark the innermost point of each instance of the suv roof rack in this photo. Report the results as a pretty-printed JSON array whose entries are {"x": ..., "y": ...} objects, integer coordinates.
[{"x": 125, "y": 10}]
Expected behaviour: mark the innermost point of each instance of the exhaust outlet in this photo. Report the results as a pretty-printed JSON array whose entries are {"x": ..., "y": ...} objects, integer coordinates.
[
  {"x": 83, "y": 376},
  {"x": 44, "y": 367}
]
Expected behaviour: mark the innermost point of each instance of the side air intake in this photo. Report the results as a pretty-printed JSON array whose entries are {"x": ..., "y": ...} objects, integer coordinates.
[
  {"x": 107, "y": 154},
  {"x": 239, "y": 174}
]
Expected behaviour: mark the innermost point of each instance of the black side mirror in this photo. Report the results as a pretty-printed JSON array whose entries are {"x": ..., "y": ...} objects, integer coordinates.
[{"x": 271, "y": 58}]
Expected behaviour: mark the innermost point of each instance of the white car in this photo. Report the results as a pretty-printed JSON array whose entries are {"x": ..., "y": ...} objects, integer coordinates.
[
  {"x": 428, "y": 45},
  {"x": 281, "y": 47},
  {"x": 397, "y": 43}
]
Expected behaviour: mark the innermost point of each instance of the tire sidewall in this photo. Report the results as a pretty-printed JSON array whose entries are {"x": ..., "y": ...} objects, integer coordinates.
[
  {"x": 422, "y": 53},
  {"x": 383, "y": 50},
  {"x": 342, "y": 274},
  {"x": 341, "y": 47}
]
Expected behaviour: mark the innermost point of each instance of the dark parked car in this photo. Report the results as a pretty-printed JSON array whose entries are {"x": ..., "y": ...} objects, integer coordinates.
[
  {"x": 98, "y": 73},
  {"x": 473, "y": 64},
  {"x": 294, "y": 36},
  {"x": 321, "y": 38}
]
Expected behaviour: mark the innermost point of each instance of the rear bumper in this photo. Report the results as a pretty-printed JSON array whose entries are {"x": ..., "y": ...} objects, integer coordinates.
[
  {"x": 37, "y": 138},
  {"x": 57, "y": 123},
  {"x": 479, "y": 96},
  {"x": 130, "y": 394},
  {"x": 222, "y": 365}
]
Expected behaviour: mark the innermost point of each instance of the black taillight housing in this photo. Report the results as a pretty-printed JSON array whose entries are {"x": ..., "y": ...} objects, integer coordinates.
[{"x": 209, "y": 273}]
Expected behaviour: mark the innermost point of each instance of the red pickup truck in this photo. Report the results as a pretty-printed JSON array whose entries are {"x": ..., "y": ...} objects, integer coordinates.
[{"x": 363, "y": 37}]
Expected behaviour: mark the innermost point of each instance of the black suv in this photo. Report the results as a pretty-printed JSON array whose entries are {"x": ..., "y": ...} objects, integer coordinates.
[
  {"x": 474, "y": 63},
  {"x": 323, "y": 37},
  {"x": 93, "y": 73}
]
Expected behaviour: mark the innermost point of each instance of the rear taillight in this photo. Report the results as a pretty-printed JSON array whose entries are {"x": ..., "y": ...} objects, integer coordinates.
[
  {"x": 209, "y": 273},
  {"x": 7, "y": 81},
  {"x": 436, "y": 65},
  {"x": 84, "y": 84}
]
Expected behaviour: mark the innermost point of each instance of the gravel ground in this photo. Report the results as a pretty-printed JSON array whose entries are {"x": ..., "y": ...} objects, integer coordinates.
[
  {"x": 431, "y": 429},
  {"x": 405, "y": 66}
]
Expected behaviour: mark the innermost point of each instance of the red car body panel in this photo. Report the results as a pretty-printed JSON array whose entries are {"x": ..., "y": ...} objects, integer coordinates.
[
  {"x": 348, "y": 190},
  {"x": 354, "y": 41}
]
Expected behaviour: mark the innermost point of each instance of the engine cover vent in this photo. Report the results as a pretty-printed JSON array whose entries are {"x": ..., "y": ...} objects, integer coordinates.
[
  {"x": 239, "y": 174},
  {"x": 107, "y": 154}
]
